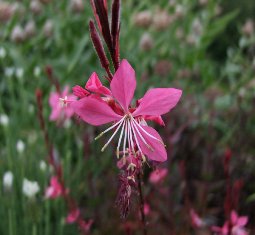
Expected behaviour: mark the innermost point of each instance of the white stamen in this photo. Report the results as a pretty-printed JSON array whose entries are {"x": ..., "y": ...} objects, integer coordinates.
[
  {"x": 121, "y": 134},
  {"x": 144, "y": 141},
  {"x": 115, "y": 132},
  {"x": 137, "y": 143},
  {"x": 125, "y": 139},
  {"x": 63, "y": 101},
  {"x": 131, "y": 138},
  {"x": 111, "y": 127},
  {"x": 136, "y": 123}
]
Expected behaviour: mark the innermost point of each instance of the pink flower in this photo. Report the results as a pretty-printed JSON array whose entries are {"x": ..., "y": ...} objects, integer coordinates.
[
  {"x": 61, "y": 111},
  {"x": 158, "y": 175},
  {"x": 146, "y": 209},
  {"x": 196, "y": 221},
  {"x": 235, "y": 225},
  {"x": 115, "y": 107},
  {"x": 73, "y": 216},
  {"x": 55, "y": 189}
]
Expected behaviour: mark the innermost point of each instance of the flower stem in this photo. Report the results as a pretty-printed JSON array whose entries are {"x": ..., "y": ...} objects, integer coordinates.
[{"x": 141, "y": 203}]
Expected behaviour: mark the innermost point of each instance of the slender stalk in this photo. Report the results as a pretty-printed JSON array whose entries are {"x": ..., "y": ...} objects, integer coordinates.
[{"x": 141, "y": 203}]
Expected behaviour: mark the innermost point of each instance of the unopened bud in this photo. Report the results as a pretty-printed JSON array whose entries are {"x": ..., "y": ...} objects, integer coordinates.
[
  {"x": 143, "y": 19},
  {"x": 30, "y": 29},
  {"x": 36, "y": 7},
  {"x": 6, "y": 11},
  {"x": 248, "y": 28},
  {"x": 77, "y": 6},
  {"x": 48, "y": 28},
  {"x": 146, "y": 42},
  {"x": 162, "y": 20},
  {"x": 18, "y": 34}
]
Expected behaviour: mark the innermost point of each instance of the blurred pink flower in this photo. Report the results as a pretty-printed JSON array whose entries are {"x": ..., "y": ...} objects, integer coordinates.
[
  {"x": 235, "y": 225},
  {"x": 61, "y": 110},
  {"x": 146, "y": 208},
  {"x": 158, "y": 175},
  {"x": 116, "y": 108},
  {"x": 55, "y": 189},
  {"x": 196, "y": 220},
  {"x": 73, "y": 216}
]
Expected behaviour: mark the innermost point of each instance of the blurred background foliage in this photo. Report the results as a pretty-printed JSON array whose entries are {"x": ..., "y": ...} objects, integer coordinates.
[{"x": 205, "y": 47}]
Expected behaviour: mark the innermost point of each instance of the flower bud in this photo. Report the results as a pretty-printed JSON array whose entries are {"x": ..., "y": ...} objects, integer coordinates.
[
  {"x": 6, "y": 11},
  {"x": 162, "y": 20},
  {"x": 48, "y": 28},
  {"x": 30, "y": 29},
  {"x": 146, "y": 42},
  {"x": 36, "y": 7},
  {"x": 248, "y": 28},
  {"x": 143, "y": 19},
  {"x": 77, "y": 6},
  {"x": 18, "y": 34}
]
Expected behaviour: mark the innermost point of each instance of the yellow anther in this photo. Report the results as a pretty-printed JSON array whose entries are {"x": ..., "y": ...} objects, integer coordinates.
[
  {"x": 99, "y": 135},
  {"x": 131, "y": 166}
]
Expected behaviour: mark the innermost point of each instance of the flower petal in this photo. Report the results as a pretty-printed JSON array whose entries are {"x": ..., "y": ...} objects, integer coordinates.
[
  {"x": 123, "y": 84},
  {"x": 242, "y": 221},
  {"x": 159, "y": 152},
  {"x": 94, "y": 111},
  {"x": 94, "y": 84},
  {"x": 158, "y": 101}
]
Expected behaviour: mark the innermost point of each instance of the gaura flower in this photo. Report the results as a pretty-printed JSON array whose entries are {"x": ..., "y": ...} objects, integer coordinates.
[
  {"x": 235, "y": 226},
  {"x": 115, "y": 106},
  {"x": 158, "y": 175},
  {"x": 196, "y": 220},
  {"x": 55, "y": 189},
  {"x": 58, "y": 102}
]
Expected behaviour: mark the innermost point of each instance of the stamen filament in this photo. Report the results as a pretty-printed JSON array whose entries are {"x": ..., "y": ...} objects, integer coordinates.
[
  {"x": 144, "y": 141},
  {"x": 111, "y": 127},
  {"x": 114, "y": 133},
  {"x": 137, "y": 143},
  {"x": 153, "y": 137},
  {"x": 121, "y": 134}
]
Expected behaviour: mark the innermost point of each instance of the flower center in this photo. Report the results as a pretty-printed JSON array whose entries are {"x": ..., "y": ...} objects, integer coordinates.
[{"x": 131, "y": 136}]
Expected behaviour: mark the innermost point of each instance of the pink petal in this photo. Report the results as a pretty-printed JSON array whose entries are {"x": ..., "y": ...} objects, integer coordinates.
[
  {"x": 123, "y": 84},
  {"x": 156, "y": 119},
  {"x": 159, "y": 152},
  {"x": 80, "y": 92},
  {"x": 94, "y": 111},
  {"x": 234, "y": 217},
  {"x": 158, "y": 101},
  {"x": 158, "y": 175},
  {"x": 242, "y": 221},
  {"x": 73, "y": 216},
  {"x": 95, "y": 85},
  {"x": 55, "y": 113}
]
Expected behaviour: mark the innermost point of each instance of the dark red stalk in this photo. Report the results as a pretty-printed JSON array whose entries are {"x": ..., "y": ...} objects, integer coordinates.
[
  {"x": 52, "y": 79},
  {"x": 99, "y": 49},
  {"x": 115, "y": 27},
  {"x": 141, "y": 203},
  {"x": 103, "y": 17},
  {"x": 71, "y": 204}
]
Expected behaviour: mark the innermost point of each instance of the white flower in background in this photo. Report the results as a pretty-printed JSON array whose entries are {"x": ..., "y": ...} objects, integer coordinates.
[
  {"x": 30, "y": 188},
  {"x": 7, "y": 180},
  {"x": 43, "y": 165},
  {"x": 9, "y": 71},
  {"x": 48, "y": 28},
  {"x": 37, "y": 71},
  {"x": 18, "y": 34},
  {"x": 19, "y": 72},
  {"x": 20, "y": 146},
  {"x": 4, "y": 120},
  {"x": 2, "y": 52}
]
